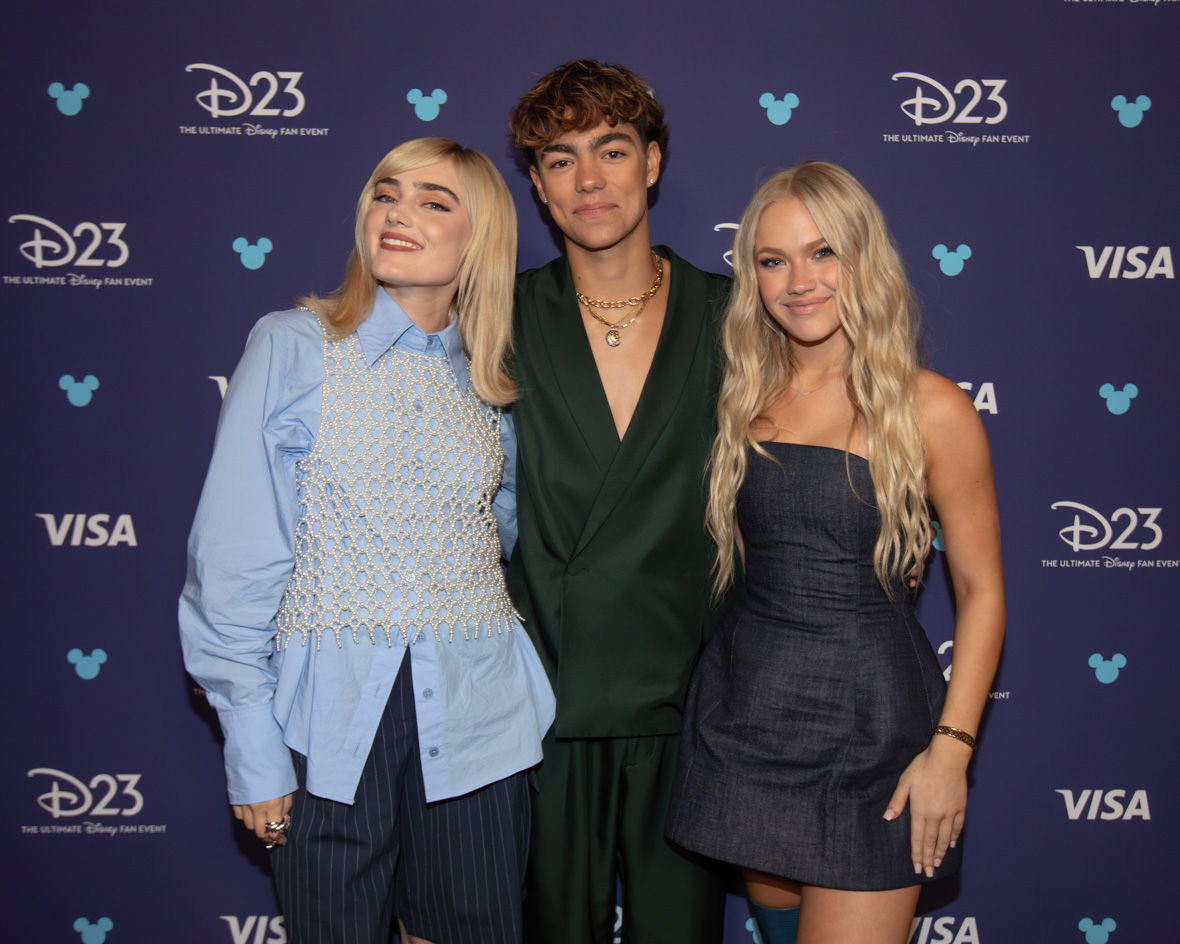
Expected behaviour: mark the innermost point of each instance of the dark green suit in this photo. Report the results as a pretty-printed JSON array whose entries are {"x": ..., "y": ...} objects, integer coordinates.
[{"x": 612, "y": 576}]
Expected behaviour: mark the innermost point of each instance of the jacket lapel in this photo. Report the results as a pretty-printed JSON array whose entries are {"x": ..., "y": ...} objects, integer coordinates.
[
  {"x": 680, "y": 343},
  {"x": 572, "y": 361}
]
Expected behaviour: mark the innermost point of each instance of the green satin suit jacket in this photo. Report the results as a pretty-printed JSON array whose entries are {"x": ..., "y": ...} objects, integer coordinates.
[{"x": 611, "y": 571}]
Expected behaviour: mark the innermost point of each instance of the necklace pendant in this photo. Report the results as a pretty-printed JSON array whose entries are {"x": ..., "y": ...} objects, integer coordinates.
[{"x": 613, "y": 338}]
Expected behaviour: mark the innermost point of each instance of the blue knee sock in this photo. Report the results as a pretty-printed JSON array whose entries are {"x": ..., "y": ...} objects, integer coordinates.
[{"x": 776, "y": 925}]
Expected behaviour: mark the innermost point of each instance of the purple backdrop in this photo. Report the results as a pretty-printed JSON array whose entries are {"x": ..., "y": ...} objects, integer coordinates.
[{"x": 1024, "y": 152}]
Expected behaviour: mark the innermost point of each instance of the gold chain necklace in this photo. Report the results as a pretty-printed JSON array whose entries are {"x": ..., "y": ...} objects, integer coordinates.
[
  {"x": 634, "y": 299},
  {"x": 613, "y": 337}
]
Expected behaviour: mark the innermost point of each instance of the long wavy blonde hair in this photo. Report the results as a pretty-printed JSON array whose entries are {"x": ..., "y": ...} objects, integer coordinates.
[
  {"x": 487, "y": 272},
  {"x": 877, "y": 310}
]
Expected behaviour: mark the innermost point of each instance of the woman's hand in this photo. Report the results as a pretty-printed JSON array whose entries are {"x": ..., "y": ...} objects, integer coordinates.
[
  {"x": 935, "y": 784},
  {"x": 262, "y": 817}
]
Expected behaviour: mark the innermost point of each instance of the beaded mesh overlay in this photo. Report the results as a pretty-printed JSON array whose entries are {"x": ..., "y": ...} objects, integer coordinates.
[{"x": 396, "y": 533}]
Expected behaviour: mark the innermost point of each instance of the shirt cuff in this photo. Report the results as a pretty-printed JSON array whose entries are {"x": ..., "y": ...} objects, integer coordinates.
[{"x": 257, "y": 763}]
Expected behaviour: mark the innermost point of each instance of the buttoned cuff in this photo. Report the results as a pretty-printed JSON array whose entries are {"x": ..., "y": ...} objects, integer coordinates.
[{"x": 257, "y": 763}]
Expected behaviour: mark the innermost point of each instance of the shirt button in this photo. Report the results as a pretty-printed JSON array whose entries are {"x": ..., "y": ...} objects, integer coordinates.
[
  {"x": 433, "y": 752},
  {"x": 428, "y": 693}
]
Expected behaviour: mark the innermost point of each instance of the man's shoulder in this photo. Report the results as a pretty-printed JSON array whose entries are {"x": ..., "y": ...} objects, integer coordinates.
[
  {"x": 717, "y": 286},
  {"x": 713, "y": 283},
  {"x": 531, "y": 276}
]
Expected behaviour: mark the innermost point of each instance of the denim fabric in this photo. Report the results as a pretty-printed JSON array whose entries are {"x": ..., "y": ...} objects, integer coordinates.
[{"x": 814, "y": 695}]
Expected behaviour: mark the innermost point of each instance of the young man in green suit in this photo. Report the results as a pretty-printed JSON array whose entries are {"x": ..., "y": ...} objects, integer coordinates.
[{"x": 617, "y": 363}]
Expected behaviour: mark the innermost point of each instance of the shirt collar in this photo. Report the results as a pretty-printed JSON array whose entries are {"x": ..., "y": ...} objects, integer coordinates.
[{"x": 389, "y": 326}]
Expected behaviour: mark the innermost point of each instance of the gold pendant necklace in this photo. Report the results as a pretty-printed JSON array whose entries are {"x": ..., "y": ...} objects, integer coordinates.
[{"x": 613, "y": 337}]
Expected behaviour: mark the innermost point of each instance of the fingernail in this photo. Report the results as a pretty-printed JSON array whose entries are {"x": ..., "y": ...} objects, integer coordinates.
[
  {"x": 929, "y": 872},
  {"x": 938, "y": 863},
  {"x": 917, "y": 868},
  {"x": 953, "y": 841},
  {"x": 890, "y": 815}
]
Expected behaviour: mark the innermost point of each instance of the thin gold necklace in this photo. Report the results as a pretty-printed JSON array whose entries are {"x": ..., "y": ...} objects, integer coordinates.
[
  {"x": 613, "y": 336},
  {"x": 807, "y": 393}
]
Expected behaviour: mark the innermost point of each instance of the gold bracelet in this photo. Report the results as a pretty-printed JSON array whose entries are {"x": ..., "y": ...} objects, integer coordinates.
[{"x": 958, "y": 734}]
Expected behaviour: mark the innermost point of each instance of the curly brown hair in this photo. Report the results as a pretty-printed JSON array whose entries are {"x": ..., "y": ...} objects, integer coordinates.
[{"x": 578, "y": 95}]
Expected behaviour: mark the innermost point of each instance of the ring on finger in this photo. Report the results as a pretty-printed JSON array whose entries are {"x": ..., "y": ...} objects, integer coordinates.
[{"x": 279, "y": 826}]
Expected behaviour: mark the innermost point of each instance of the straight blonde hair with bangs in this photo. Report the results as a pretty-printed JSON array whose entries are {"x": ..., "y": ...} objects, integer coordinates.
[
  {"x": 877, "y": 311},
  {"x": 487, "y": 271}
]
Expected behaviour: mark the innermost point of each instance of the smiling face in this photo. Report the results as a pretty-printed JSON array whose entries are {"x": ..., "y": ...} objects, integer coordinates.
[
  {"x": 415, "y": 233},
  {"x": 595, "y": 183},
  {"x": 798, "y": 273}
]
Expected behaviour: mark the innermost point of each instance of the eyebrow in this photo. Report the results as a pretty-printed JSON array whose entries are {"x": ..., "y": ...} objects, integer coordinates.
[
  {"x": 815, "y": 244},
  {"x": 420, "y": 185},
  {"x": 609, "y": 137},
  {"x": 603, "y": 139}
]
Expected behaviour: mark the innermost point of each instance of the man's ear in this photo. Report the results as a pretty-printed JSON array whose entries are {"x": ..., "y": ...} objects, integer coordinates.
[
  {"x": 654, "y": 156},
  {"x": 536, "y": 178}
]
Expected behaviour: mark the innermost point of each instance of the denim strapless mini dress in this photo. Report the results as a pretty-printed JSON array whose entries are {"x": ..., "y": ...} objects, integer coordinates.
[{"x": 813, "y": 695}]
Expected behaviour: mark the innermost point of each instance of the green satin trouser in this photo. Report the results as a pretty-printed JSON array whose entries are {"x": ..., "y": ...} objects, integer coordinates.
[{"x": 598, "y": 819}]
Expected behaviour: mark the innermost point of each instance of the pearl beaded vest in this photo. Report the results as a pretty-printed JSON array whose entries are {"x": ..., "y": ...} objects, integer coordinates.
[{"x": 396, "y": 535}]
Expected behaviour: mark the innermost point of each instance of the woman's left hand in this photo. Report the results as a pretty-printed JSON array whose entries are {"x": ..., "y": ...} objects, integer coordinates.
[
  {"x": 935, "y": 785},
  {"x": 267, "y": 820}
]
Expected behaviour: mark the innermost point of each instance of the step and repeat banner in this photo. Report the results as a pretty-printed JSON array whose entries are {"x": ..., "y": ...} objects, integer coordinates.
[{"x": 173, "y": 172}]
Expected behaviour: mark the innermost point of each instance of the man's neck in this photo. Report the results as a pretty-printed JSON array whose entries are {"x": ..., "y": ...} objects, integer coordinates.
[{"x": 617, "y": 272}]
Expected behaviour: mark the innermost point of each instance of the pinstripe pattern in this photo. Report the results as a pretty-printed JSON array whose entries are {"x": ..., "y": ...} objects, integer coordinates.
[{"x": 455, "y": 868}]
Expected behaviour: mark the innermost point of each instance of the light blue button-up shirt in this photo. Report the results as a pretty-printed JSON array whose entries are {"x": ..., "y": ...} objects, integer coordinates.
[{"x": 482, "y": 705}]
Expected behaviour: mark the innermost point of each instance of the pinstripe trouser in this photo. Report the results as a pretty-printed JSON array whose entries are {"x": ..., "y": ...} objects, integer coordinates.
[{"x": 452, "y": 871}]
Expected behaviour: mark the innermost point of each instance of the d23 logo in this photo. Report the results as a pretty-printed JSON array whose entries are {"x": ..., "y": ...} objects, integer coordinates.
[
  {"x": 253, "y": 929},
  {"x": 927, "y": 110},
  {"x": 61, "y": 247},
  {"x": 728, "y": 254},
  {"x": 1095, "y": 531},
  {"x": 237, "y": 99},
  {"x": 69, "y": 796}
]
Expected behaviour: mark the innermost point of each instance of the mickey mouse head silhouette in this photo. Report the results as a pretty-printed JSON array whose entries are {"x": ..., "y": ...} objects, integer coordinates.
[
  {"x": 1118, "y": 401},
  {"x": 87, "y": 667},
  {"x": 1097, "y": 933},
  {"x": 1107, "y": 670},
  {"x": 778, "y": 113},
  {"x": 426, "y": 106},
  {"x": 93, "y": 933},
  {"x": 78, "y": 392},
  {"x": 254, "y": 256},
  {"x": 951, "y": 263},
  {"x": 1130, "y": 113},
  {"x": 69, "y": 102}
]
